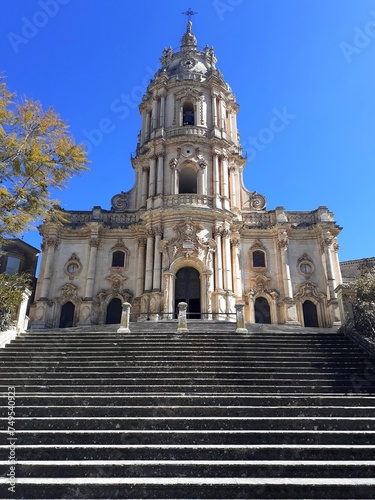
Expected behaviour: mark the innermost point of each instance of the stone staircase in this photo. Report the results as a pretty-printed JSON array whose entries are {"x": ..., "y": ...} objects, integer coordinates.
[{"x": 275, "y": 414}]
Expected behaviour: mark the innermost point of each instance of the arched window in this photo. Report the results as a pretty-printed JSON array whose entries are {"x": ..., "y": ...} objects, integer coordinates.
[
  {"x": 259, "y": 258},
  {"x": 118, "y": 259},
  {"x": 188, "y": 114},
  {"x": 188, "y": 180}
]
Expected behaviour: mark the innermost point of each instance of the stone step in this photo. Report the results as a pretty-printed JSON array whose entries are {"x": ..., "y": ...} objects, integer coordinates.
[
  {"x": 193, "y": 437},
  {"x": 216, "y": 400},
  {"x": 210, "y": 414},
  {"x": 106, "y": 410},
  {"x": 195, "y": 488},
  {"x": 205, "y": 468},
  {"x": 193, "y": 452},
  {"x": 312, "y": 388},
  {"x": 212, "y": 422}
]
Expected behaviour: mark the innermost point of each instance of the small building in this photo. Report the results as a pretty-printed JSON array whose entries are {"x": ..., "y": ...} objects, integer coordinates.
[
  {"x": 16, "y": 256},
  {"x": 189, "y": 230}
]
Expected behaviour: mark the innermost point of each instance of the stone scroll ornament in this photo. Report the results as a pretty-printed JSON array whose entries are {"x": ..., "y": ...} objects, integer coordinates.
[
  {"x": 257, "y": 201},
  {"x": 119, "y": 202}
]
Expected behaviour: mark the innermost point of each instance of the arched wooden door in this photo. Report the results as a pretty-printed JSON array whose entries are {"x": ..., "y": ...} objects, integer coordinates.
[
  {"x": 310, "y": 314},
  {"x": 187, "y": 289},
  {"x": 114, "y": 311},
  {"x": 67, "y": 315},
  {"x": 262, "y": 311}
]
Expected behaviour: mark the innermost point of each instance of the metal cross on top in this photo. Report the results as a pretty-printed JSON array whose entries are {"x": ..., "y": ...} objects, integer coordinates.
[{"x": 189, "y": 13}]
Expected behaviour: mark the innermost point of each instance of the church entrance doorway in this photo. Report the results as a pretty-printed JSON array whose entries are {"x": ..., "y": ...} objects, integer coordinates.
[
  {"x": 187, "y": 289},
  {"x": 262, "y": 311},
  {"x": 114, "y": 311},
  {"x": 310, "y": 314},
  {"x": 67, "y": 315}
]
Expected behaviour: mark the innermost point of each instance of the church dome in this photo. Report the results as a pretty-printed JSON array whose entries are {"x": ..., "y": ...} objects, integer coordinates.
[{"x": 189, "y": 59}]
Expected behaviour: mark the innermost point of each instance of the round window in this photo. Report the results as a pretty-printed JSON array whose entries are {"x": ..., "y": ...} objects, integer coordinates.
[
  {"x": 305, "y": 268},
  {"x": 72, "y": 267}
]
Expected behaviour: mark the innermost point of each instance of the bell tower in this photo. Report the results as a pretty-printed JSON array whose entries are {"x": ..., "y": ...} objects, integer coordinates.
[
  {"x": 188, "y": 168},
  {"x": 189, "y": 140}
]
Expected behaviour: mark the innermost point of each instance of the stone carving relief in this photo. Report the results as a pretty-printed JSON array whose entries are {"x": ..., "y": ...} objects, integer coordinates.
[
  {"x": 255, "y": 202},
  {"x": 187, "y": 244},
  {"x": 116, "y": 281},
  {"x": 308, "y": 290},
  {"x": 68, "y": 293},
  {"x": 120, "y": 202}
]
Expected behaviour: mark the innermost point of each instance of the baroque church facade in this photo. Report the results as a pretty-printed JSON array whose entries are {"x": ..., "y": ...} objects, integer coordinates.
[{"x": 189, "y": 230}]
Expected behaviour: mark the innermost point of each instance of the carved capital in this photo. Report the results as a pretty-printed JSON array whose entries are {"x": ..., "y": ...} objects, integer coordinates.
[
  {"x": 283, "y": 240},
  {"x": 142, "y": 242}
]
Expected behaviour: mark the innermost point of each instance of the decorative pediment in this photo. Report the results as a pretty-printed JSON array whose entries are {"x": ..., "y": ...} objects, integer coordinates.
[
  {"x": 116, "y": 281},
  {"x": 260, "y": 284},
  {"x": 258, "y": 245},
  {"x": 69, "y": 293},
  {"x": 120, "y": 245},
  {"x": 308, "y": 290},
  {"x": 187, "y": 244}
]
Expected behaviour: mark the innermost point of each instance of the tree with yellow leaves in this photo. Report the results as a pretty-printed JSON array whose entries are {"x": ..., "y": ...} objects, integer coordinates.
[{"x": 37, "y": 153}]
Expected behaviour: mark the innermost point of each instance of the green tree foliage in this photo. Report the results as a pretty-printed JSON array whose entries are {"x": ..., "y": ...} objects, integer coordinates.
[
  {"x": 37, "y": 153},
  {"x": 12, "y": 288},
  {"x": 365, "y": 285},
  {"x": 364, "y": 305}
]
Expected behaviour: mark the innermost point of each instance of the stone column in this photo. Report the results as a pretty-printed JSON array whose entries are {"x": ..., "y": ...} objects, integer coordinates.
[
  {"x": 227, "y": 261},
  {"x": 214, "y": 115},
  {"x": 157, "y": 260},
  {"x": 222, "y": 114},
  {"x": 233, "y": 187},
  {"x": 162, "y": 110},
  {"x": 283, "y": 245},
  {"x": 148, "y": 126},
  {"x": 173, "y": 165},
  {"x": 291, "y": 311},
  {"x": 328, "y": 248},
  {"x": 155, "y": 113},
  {"x": 50, "y": 243},
  {"x": 216, "y": 180},
  {"x": 160, "y": 175},
  {"x": 149, "y": 260},
  {"x": 331, "y": 246},
  {"x": 141, "y": 266},
  {"x": 145, "y": 171},
  {"x": 237, "y": 282},
  {"x": 94, "y": 243},
  {"x": 168, "y": 295},
  {"x": 225, "y": 181},
  {"x": 151, "y": 186},
  {"x": 218, "y": 259},
  {"x": 203, "y": 176}
]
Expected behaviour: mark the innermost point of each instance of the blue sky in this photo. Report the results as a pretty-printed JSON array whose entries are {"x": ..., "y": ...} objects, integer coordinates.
[{"x": 312, "y": 61}]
